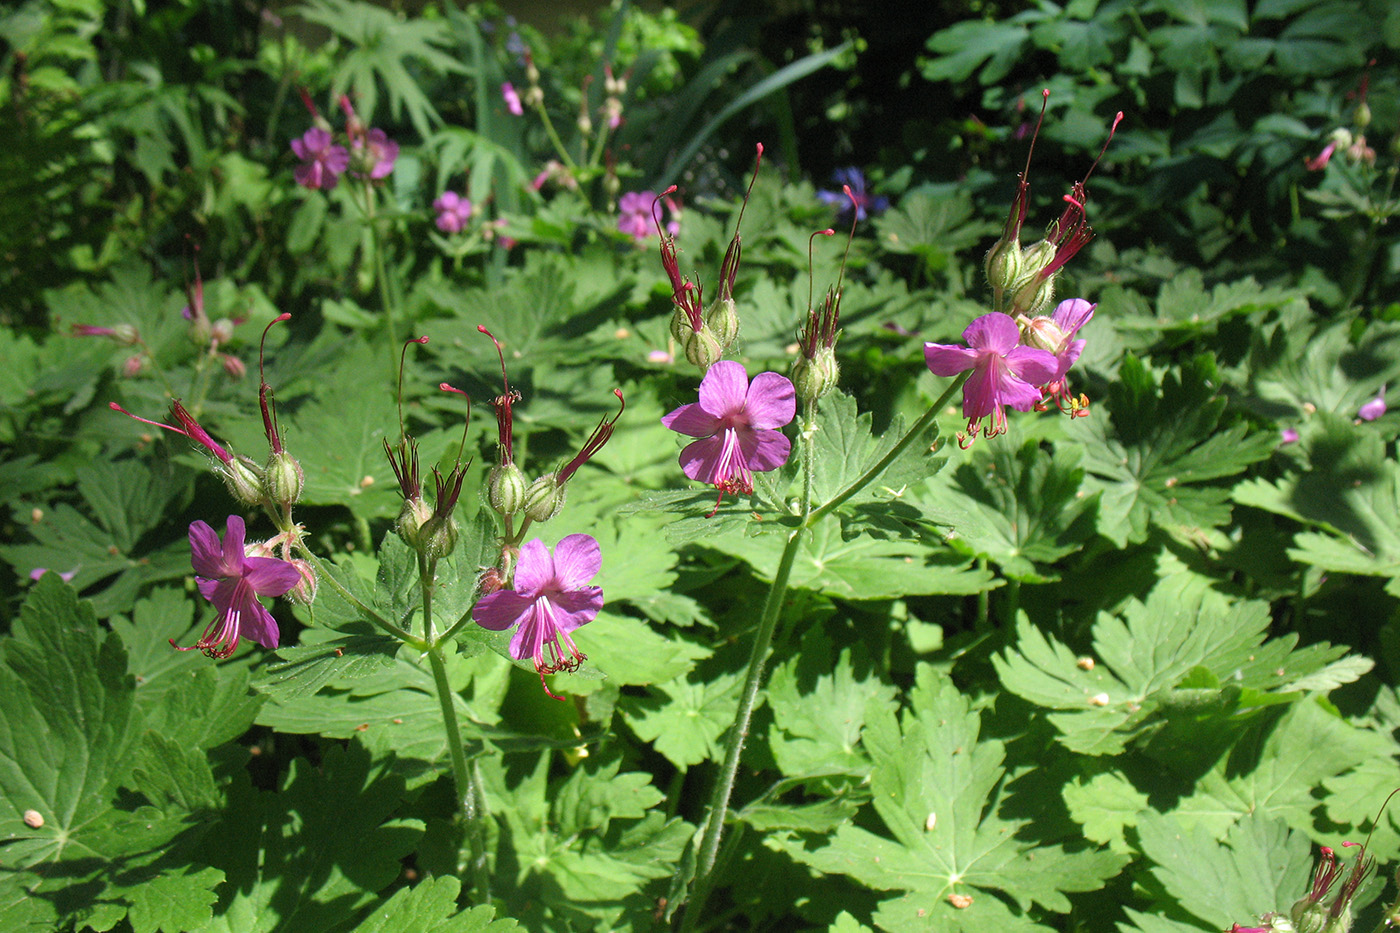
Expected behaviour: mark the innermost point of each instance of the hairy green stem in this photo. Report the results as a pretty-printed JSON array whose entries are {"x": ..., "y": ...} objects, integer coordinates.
[
  {"x": 463, "y": 776},
  {"x": 708, "y": 848},
  {"x": 724, "y": 787},
  {"x": 369, "y": 613}
]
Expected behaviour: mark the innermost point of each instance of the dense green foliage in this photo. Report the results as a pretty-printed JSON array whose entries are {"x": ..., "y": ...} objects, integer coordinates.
[{"x": 1123, "y": 672}]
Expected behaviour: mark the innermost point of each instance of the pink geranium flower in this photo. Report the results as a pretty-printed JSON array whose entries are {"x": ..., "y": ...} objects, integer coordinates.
[
  {"x": 1003, "y": 373},
  {"x": 324, "y": 160},
  {"x": 453, "y": 212},
  {"x": 379, "y": 153},
  {"x": 1056, "y": 333},
  {"x": 736, "y": 422},
  {"x": 550, "y": 599},
  {"x": 232, "y": 581},
  {"x": 634, "y": 214}
]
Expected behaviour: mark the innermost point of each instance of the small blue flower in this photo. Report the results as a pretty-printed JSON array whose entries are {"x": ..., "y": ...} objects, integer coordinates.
[{"x": 865, "y": 203}]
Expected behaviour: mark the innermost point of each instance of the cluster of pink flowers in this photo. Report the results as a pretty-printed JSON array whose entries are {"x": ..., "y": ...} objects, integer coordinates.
[
  {"x": 1014, "y": 366},
  {"x": 370, "y": 155}
]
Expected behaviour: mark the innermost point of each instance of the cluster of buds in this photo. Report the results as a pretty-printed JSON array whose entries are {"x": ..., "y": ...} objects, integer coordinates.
[
  {"x": 1321, "y": 910},
  {"x": 275, "y": 485},
  {"x": 1351, "y": 144},
  {"x": 815, "y": 371},
  {"x": 704, "y": 334},
  {"x": 508, "y": 491},
  {"x": 431, "y": 530},
  {"x": 204, "y": 333},
  {"x": 370, "y": 156},
  {"x": 613, "y": 88},
  {"x": 1023, "y": 278}
]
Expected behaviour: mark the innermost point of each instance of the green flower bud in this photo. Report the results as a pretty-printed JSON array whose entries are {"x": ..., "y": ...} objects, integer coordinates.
[
  {"x": 816, "y": 377},
  {"x": 412, "y": 517},
  {"x": 1003, "y": 264},
  {"x": 244, "y": 480},
  {"x": 1033, "y": 295},
  {"x": 723, "y": 320},
  {"x": 1034, "y": 258},
  {"x": 505, "y": 488},
  {"x": 438, "y": 537},
  {"x": 544, "y": 498},
  {"x": 283, "y": 479},
  {"x": 304, "y": 592},
  {"x": 1362, "y": 119},
  {"x": 702, "y": 349}
]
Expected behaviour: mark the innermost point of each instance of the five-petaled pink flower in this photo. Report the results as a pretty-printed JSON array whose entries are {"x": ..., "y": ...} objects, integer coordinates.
[
  {"x": 550, "y": 599},
  {"x": 1003, "y": 373},
  {"x": 634, "y": 214},
  {"x": 232, "y": 581},
  {"x": 453, "y": 212},
  {"x": 324, "y": 160},
  {"x": 737, "y": 424}
]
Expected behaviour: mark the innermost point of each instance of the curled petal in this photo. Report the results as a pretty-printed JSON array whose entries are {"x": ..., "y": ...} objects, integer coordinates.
[
  {"x": 500, "y": 610},
  {"x": 1036, "y": 367},
  {"x": 765, "y": 450},
  {"x": 535, "y": 569},
  {"x": 947, "y": 360},
  {"x": 994, "y": 332}
]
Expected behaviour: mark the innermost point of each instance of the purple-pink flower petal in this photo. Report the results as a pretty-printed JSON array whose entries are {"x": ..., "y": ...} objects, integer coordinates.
[
  {"x": 692, "y": 421},
  {"x": 771, "y": 402}
]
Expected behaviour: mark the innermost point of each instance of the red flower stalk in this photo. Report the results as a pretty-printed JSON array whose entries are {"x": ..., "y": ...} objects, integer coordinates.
[
  {"x": 188, "y": 427},
  {"x": 595, "y": 442},
  {"x": 1071, "y": 232},
  {"x": 502, "y": 404}
]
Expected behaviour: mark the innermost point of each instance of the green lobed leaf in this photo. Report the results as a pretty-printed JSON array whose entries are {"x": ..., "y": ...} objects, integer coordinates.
[
  {"x": 934, "y": 786},
  {"x": 431, "y": 907}
]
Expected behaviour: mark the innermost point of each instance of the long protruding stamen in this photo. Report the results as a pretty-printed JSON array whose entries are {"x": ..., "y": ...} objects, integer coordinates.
[
  {"x": 403, "y": 363},
  {"x": 467, "y": 422},
  {"x": 265, "y": 399},
  {"x": 595, "y": 442},
  {"x": 503, "y": 403}
]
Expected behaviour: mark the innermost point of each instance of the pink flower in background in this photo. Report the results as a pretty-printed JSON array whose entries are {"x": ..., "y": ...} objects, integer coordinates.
[
  {"x": 379, "y": 153},
  {"x": 325, "y": 161},
  {"x": 550, "y": 599},
  {"x": 634, "y": 214},
  {"x": 1056, "y": 334},
  {"x": 736, "y": 422},
  {"x": 453, "y": 212},
  {"x": 512, "y": 99},
  {"x": 1373, "y": 408},
  {"x": 232, "y": 581},
  {"x": 1288, "y": 436},
  {"x": 1003, "y": 373}
]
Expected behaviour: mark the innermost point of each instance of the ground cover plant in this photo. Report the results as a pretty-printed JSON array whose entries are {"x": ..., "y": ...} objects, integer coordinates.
[{"x": 460, "y": 477}]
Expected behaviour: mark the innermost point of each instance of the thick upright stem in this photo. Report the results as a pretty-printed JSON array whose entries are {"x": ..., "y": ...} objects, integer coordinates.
[
  {"x": 772, "y": 608},
  {"x": 464, "y": 777},
  {"x": 724, "y": 787}
]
